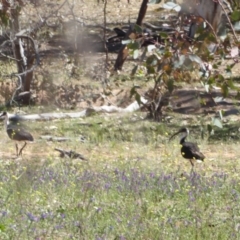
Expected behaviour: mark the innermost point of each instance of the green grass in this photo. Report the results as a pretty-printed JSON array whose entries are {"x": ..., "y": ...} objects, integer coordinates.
[
  {"x": 65, "y": 200},
  {"x": 135, "y": 184}
]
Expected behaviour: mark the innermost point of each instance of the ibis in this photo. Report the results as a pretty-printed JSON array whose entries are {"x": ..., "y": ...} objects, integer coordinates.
[
  {"x": 16, "y": 133},
  {"x": 189, "y": 150}
]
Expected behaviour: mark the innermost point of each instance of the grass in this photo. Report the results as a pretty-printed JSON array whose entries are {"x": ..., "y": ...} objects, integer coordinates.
[{"x": 135, "y": 184}]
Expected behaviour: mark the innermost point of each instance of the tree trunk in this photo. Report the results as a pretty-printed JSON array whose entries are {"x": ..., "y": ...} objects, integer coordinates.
[
  {"x": 123, "y": 53},
  {"x": 24, "y": 55}
]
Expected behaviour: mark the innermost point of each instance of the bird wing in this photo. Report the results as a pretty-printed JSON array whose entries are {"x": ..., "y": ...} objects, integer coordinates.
[
  {"x": 19, "y": 134},
  {"x": 193, "y": 150}
]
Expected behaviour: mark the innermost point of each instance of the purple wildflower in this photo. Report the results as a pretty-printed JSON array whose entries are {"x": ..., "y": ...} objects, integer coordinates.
[{"x": 32, "y": 218}]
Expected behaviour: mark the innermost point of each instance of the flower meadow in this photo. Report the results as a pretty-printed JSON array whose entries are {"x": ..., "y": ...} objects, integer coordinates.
[
  {"x": 135, "y": 185},
  {"x": 73, "y": 201}
]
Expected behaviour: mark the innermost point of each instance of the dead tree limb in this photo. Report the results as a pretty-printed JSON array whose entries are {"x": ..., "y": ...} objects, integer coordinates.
[
  {"x": 123, "y": 53},
  {"x": 28, "y": 66},
  {"x": 71, "y": 154},
  {"x": 229, "y": 21},
  {"x": 142, "y": 12}
]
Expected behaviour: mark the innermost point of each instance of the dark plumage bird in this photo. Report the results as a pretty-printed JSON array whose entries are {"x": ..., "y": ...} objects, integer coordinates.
[
  {"x": 189, "y": 150},
  {"x": 17, "y": 133},
  {"x": 119, "y": 32}
]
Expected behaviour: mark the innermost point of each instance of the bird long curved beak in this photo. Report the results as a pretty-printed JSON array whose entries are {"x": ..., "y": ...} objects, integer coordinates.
[{"x": 174, "y": 135}]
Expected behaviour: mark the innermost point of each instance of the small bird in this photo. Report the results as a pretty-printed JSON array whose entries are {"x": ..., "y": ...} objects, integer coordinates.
[
  {"x": 189, "y": 150},
  {"x": 17, "y": 133}
]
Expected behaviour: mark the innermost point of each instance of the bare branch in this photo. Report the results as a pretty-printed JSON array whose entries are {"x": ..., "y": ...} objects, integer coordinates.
[
  {"x": 18, "y": 75},
  {"x": 44, "y": 20},
  {"x": 229, "y": 21},
  {"x": 214, "y": 33},
  {"x": 17, "y": 89},
  {"x": 2, "y": 46},
  {"x": 22, "y": 52},
  {"x": 35, "y": 50}
]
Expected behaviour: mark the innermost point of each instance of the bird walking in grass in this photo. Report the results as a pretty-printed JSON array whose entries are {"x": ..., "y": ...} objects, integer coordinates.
[
  {"x": 189, "y": 150},
  {"x": 16, "y": 133}
]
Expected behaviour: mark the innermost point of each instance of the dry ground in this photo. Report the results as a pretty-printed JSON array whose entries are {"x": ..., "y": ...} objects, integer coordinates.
[{"x": 144, "y": 146}]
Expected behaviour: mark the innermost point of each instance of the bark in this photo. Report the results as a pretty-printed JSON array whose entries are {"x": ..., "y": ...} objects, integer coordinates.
[
  {"x": 142, "y": 12},
  {"x": 21, "y": 53},
  {"x": 85, "y": 113},
  {"x": 123, "y": 53},
  {"x": 29, "y": 75}
]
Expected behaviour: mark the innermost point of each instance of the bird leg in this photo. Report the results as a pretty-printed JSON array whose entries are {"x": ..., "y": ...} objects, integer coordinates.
[
  {"x": 192, "y": 169},
  {"x": 191, "y": 162},
  {"x": 17, "y": 149},
  {"x": 20, "y": 152}
]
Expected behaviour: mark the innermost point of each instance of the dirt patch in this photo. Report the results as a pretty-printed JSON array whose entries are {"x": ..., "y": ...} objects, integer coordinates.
[{"x": 197, "y": 101}]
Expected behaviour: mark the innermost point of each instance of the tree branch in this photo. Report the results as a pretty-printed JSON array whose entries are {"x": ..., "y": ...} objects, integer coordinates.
[{"x": 123, "y": 53}]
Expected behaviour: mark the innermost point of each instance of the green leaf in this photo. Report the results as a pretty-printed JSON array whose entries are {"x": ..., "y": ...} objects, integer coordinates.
[
  {"x": 228, "y": 69},
  {"x": 159, "y": 78},
  {"x": 231, "y": 84},
  {"x": 168, "y": 54},
  {"x": 202, "y": 133},
  {"x": 136, "y": 94},
  {"x": 225, "y": 90},
  {"x": 151, "y": 60},
  {"x": 211, "y": 80},
  {"x": 221, "y": 77},
  {"x": 133, "y": 45},
  {"x": 206, "y": 86},
  {"x": 2, "y": 227},
  {"x": 170, "y": 85},
  {"x": 125, "y": 42},
  {"x": 172, "y": 6},
  {"x": 163, "y": 35},
  {"x": 195, "y": 58},
  {"x": 165, "y": 77},
  {"x": 221, "y": 112},
  {"x": 211, "y": 37},
  {"x": 179, "y": 61},
  {"x": 135, "y": 54},
  {"x": 133, "y": 91},
  {"x": 138, "y": 29},
  {"x": 138, "y": 98},
  {"x": 235, "y": 16},
  {"x": 151, "y": 70},
  {"x": 217, "y": 122},
  {"x": 4, "y": 19},
  {"x": 218, "y": 99},
  {"x": 154, "y": 1}
]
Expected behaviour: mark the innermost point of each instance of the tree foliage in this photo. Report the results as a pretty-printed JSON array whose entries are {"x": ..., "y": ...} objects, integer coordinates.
[{"x": 175, "y": 57}]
